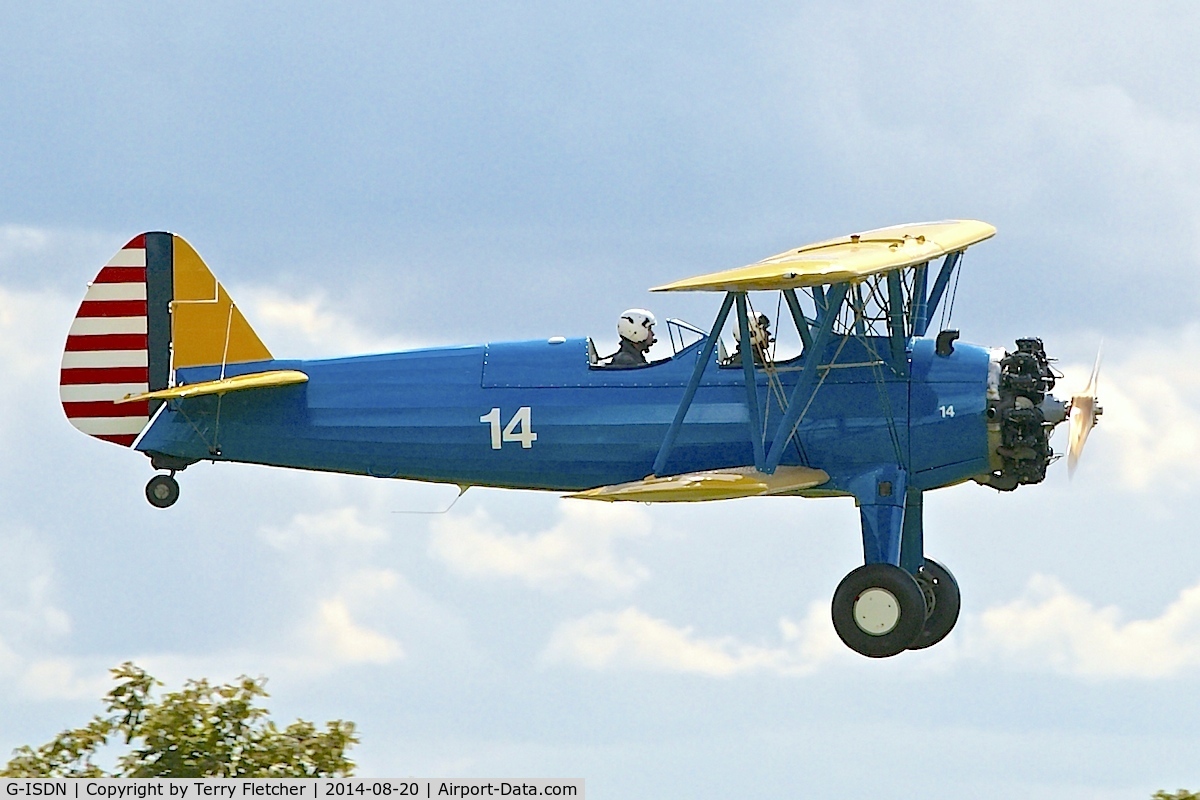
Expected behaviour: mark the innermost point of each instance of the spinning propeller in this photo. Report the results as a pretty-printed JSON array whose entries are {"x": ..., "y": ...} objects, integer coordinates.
[{"x": 1085, "y": 410}]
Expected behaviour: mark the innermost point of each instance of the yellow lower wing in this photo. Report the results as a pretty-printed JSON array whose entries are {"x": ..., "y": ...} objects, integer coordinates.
[
  {"x": 254, "y": 380},
  {"x": 720, "y": 484}
]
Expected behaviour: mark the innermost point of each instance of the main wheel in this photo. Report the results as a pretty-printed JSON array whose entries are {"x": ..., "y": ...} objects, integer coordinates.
[
  {"x": 878, "y": 610},
  {"x": 162, "y": 491},
  {"x": 937, "y": 580}
]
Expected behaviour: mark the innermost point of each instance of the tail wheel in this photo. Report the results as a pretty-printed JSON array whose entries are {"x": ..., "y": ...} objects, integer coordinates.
[
  {"x": 937, "y": 581},
  {"x": 162, "y": 491},
  {"x": 878, "y": 610}
]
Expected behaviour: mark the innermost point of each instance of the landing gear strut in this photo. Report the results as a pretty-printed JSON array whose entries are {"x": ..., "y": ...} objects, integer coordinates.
[
  {"x": 163, "y": 490},
  {"x": 900, "y": 600}
]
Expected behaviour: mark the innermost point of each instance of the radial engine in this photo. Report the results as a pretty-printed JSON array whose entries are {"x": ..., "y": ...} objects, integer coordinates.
[{"x": 1022, "y": 414}]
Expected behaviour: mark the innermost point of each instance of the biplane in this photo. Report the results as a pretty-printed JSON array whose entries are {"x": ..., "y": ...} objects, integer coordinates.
[{"x": 872, "y": 406}]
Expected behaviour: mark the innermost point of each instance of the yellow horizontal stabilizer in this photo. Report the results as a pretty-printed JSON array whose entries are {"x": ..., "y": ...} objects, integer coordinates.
[
  {"x": 718, "y": 484},
  {"x": 847, "y": 258},
  {"x": 254, "y": 380}
]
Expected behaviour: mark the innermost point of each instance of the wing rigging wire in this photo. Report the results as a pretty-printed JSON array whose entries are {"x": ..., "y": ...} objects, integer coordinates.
[
  {"x": 774, "y": 383},
  {"x": 461, "y": 491},
  {"x": 793, "y": 434}
]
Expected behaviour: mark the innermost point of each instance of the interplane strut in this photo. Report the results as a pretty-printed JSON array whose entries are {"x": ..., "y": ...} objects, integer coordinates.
[{"x": 885, "y": 291}]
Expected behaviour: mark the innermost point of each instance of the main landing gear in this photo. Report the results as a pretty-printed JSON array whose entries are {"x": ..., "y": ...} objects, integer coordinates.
[
  {"x": 880, "y": 610},
  {"x": 899, "y": 600}
]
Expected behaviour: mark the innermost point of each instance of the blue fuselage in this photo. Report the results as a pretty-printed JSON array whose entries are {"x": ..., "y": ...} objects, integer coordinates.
[{"x": 429, "y": 415}]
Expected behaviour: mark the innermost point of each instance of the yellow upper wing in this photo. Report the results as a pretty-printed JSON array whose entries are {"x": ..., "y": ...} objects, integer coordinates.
[{"x": 847, "y": 258}]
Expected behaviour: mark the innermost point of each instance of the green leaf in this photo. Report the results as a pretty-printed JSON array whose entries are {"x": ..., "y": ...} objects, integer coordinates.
[{"x": 200, "y": 731}]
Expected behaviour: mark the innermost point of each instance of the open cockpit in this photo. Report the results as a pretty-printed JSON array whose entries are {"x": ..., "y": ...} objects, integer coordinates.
[{"x": 681, "y": 336}]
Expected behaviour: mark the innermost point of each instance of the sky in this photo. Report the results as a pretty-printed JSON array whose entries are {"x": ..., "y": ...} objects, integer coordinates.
[{"x": 385, "y": 175}]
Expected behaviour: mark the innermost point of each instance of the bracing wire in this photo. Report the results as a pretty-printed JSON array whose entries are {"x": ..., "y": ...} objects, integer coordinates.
[
  {"x": 461, "y": 491},
  {"x": 816, "y": 390},
  {"x": 774, "y": 383}
]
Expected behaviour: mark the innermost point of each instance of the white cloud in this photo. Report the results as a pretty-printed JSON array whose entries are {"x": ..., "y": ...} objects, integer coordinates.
[
  {"x": 344, "y": 625},
  {"x": 35, "y": 256},
  {"x": 633, "y": 640},
  {"x": 1150, "y": 391},
  {"x": 32, "y": 623},
  {"x": 1049, "y": 625},
  {"x": 348, "y": 642},
  {"x": 18, "y": 242},
  {"x": 334, "y": 634},
  {"x": 307, "y": 327},
  {"x": 33, "y": 331},
  {"x": 62, "y": 679},
  {"x": 1034, "y": 116},
  {"x": 27, "y": 608},
  {"x": 9, "y": 661},
  {"x": 1047, "y": 628},
  {"x": 337, "y": 526},
  {"x": 580, "y": 547}
]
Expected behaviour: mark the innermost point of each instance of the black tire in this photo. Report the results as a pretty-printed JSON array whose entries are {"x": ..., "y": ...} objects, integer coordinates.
[
  {"x": 162, "y": 491},
  {"x": 947, "y": 601},
  {"x": 878, "y": 610}
]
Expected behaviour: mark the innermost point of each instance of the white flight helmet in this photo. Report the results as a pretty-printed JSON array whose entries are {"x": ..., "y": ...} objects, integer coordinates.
[
  {"x": 760, "y": 330},
  {"x": 636, "y": 325}
]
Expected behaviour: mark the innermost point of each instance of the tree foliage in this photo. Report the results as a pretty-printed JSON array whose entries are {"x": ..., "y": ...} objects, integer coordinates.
[
  {"x": 199, "y": 731},
  {"x": 1182, "y": 794}
]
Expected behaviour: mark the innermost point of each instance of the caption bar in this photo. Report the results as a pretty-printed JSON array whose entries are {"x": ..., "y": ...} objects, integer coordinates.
[{"x": 309, "y": 788}]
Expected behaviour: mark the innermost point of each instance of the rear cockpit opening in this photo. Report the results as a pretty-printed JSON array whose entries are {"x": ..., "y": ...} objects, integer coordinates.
[{"x": 774, "y": 338}]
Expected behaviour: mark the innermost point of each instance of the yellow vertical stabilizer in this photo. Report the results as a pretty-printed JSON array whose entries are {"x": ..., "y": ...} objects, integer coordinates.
[{"x": 207, "y": 328}]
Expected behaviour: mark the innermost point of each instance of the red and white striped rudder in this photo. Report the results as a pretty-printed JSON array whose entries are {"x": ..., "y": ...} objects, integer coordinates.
[{"x": 106, "y": 356}]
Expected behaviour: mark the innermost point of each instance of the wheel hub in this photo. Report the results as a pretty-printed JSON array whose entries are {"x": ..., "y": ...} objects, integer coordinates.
[{"x": 876, "y": 611}]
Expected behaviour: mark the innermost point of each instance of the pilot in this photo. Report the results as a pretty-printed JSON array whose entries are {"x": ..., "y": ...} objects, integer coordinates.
[
  {"x": 760, "y": 340},
  {"x": 636, "y": 329}
]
